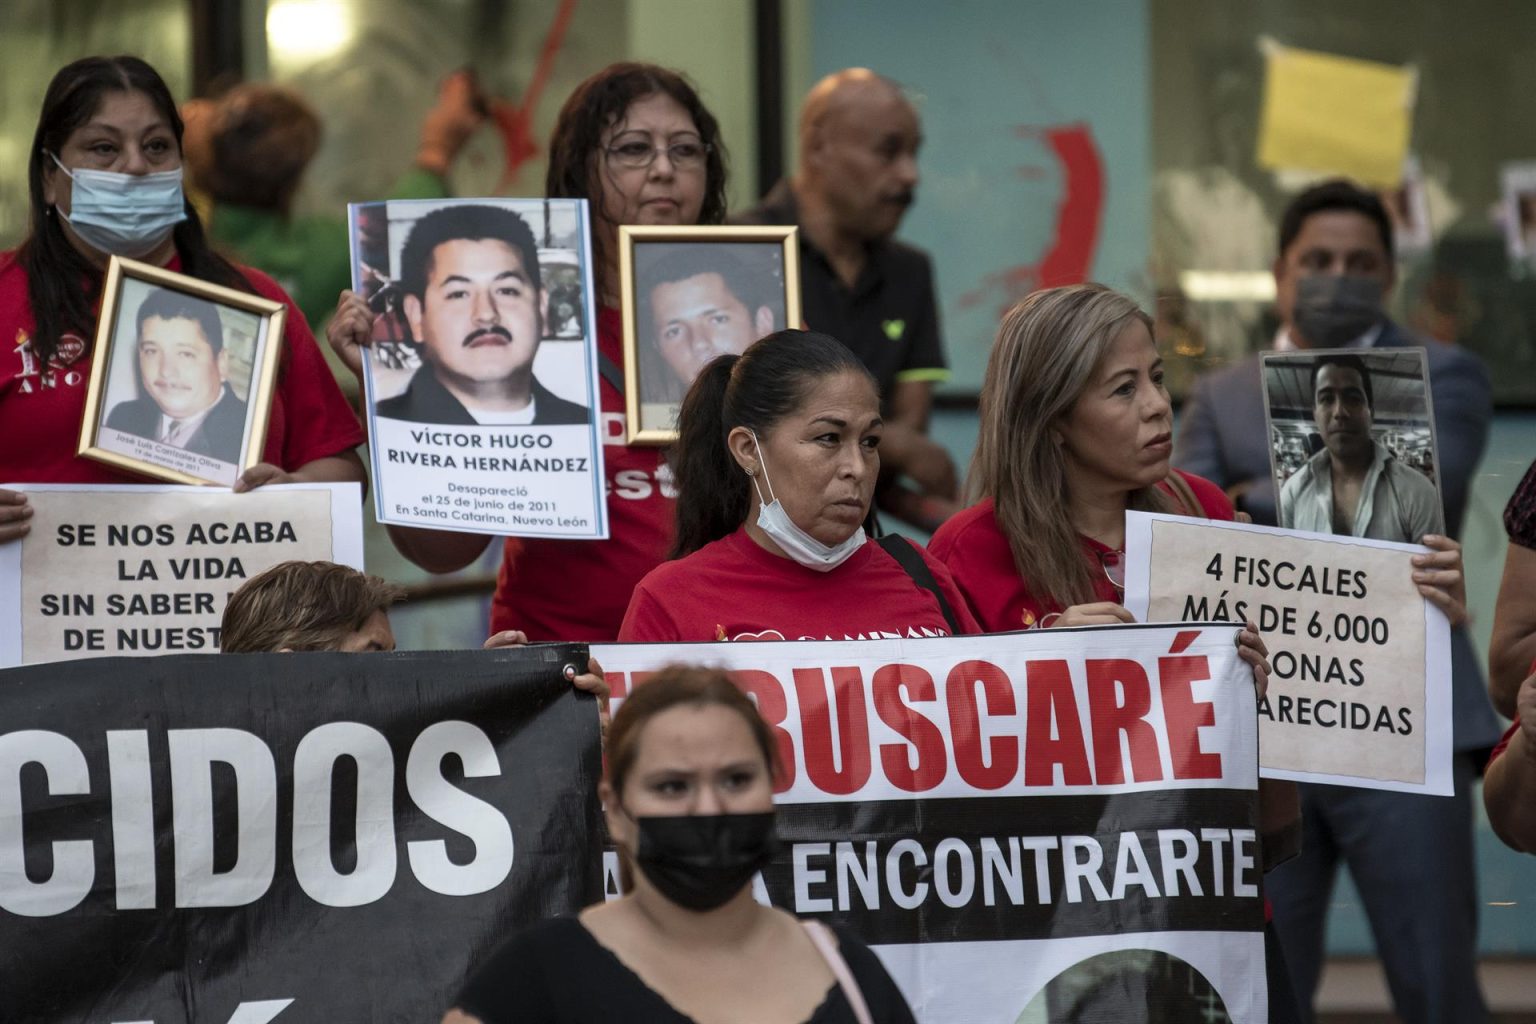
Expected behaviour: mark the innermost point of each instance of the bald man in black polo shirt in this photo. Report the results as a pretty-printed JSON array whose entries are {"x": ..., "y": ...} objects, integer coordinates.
[{"x": 857, "y": 175}]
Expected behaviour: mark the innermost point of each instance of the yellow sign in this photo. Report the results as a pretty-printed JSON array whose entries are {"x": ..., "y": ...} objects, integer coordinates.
[{"x": 1336, "y": 115}]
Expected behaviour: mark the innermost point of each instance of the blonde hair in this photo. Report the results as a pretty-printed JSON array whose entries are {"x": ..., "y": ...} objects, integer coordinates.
[{"x": 1047, "y": 353}]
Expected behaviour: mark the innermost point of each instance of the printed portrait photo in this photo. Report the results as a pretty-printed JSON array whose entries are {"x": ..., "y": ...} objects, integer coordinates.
[
  {"x": 181, "y": 369},
  {"x": 482, "y": 311},
  {"x": 1128, "y": 986},
  {"x": 1517, "y": 186},
  {"x": 692, "y": 295},
  {"x": 1352, "y": 443}
]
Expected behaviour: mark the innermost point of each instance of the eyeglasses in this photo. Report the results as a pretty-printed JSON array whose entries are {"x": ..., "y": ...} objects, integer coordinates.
[
  {"x": 1113, "y": 563},
  {"x": 637, "y": 153}
]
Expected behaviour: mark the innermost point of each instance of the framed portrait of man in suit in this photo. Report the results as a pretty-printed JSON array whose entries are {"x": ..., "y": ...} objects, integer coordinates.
[
  {"x": 182, "y": 382},
  {"x": 689, "y": 296}
]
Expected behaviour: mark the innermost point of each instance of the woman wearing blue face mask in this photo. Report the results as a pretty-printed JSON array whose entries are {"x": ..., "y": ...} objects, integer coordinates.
[
  {"x": 689, "y": 802},
  {"x": 776, "y": 462},
  {"x": 105, "y": 179}
]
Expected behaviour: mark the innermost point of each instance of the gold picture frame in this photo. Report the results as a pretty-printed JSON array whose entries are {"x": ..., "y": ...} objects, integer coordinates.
[
  {"x": 163, "y": 401},
  {"x": 722, "y": 302}
]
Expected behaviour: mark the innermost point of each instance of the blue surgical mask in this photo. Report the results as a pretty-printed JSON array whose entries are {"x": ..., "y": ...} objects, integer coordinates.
[
  {"x": 127, "y": 215},
  {"x": 793, "y": 541}
]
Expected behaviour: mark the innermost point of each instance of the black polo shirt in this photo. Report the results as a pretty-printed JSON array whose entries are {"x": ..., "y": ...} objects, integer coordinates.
[{"x": 890, "y": 317}]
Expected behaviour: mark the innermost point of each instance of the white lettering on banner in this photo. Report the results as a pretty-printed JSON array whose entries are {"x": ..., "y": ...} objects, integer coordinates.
[
  {"x": 952, "y": 852},
  {"x": 74, "y": 865},
  {"x": 249, "y": 766},
  {"x": 866, "y": 875},
  {"x": 913, "y": 849},
  {"x": 806, "y": 876},
  {"x": 997, "y": 868},
  {"x": 133, "y": 832},
  {"x": 194, "y": 752},
  {"x": 448, "y": 805},
  {"x": 314, "y": 763},
  {"x": 1081, "y": 861},
  {"x": 260, "y": 1012}
]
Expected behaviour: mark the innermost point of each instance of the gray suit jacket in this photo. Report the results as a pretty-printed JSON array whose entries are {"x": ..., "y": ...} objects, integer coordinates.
[{"x": 1221, "y": 437}]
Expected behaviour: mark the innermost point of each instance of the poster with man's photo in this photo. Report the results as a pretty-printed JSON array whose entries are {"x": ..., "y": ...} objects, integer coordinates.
[
  {"x": 481, "y": 379},
  {"x": 1517, "y": 187},
  {"x": 1352, "y": 443}
]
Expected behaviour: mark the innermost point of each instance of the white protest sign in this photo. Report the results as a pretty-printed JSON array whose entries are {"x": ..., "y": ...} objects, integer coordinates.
[
  {"x": 1360, "y": 694},
  {"x": 523, "y": 482},
  {"x": 1058, "y": 818},
  {"x": 143, "y": 570},
  {"x": 482, "y": 387}
]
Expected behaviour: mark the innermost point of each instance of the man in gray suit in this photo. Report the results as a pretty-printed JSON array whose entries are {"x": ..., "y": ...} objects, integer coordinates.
[{"x": 1410, "y": 856}]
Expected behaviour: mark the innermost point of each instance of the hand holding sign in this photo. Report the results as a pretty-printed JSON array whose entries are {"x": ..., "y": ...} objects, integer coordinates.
[
  {"x": 1100, "y": 613},
  {"x": 14, "y": 515},
  {"x": 350, "y": 330},
  {"x": 1440, "y": 579}
]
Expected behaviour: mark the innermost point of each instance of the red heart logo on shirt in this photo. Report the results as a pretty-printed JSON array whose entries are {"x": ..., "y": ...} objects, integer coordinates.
[
  {"x": 70, "y": 349},
  {"x": 767, "y": 634}
]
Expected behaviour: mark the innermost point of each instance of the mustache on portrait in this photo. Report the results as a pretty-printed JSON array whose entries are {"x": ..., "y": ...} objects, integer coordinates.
[{"x": 484, "y": 332}]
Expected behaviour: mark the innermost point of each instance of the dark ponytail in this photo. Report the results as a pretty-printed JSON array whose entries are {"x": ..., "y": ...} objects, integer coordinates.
[
  {"x": 712, "y": 498},
  {"x": 756, "y": 389}
]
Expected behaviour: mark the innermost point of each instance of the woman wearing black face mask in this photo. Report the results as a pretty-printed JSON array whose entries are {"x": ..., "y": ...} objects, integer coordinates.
[
  {"x": 689, "y": 802},
  {"x": 105, "y": 179}
]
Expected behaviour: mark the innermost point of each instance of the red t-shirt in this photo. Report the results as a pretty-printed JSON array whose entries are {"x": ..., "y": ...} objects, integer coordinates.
[
  {"x": 578, "y": 589},
  {"x": 41, "y": 407},
  {"x": 1509, "y": 734},
  {"x": 733, "y": 589},
  {"x": 1514, "y": 727},
  {"x": 978, "y": 556}
]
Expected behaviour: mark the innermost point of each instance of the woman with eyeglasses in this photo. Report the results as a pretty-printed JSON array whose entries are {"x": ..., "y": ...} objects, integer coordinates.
[
  {"x": 105, "y": 177},
  {"x": 635, "y": 141}
]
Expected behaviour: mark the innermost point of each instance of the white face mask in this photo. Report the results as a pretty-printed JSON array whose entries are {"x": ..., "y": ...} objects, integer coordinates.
[
  {"x": 127, "y": 215},
  {"x": 793, "y": 541}
]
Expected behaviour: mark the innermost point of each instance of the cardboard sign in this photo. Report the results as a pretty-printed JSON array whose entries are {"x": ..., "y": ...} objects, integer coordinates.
[
  {"x": 1361, "y": 689},
  {"x": 481, "y": 381},
  {"x": 120, "y": 569}
]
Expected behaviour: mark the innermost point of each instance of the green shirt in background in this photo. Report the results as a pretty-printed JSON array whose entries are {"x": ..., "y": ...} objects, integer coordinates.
[{"x": 310, "y": 257}]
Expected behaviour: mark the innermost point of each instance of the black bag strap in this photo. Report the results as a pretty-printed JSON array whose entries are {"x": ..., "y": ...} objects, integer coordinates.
[
  {"x": 610, "y": 371},
  {"x": 906, "y": 555}
]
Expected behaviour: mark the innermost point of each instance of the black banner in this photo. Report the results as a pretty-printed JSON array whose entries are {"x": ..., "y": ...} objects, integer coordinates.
[
  {"x": 292, "y": 837},
  {"x": 971, "y": 870}
]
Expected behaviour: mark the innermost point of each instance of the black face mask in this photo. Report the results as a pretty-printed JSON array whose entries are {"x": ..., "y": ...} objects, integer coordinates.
[
  {"x": 700, "y": 861},
  {"x": 1333, "y": 310}
]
